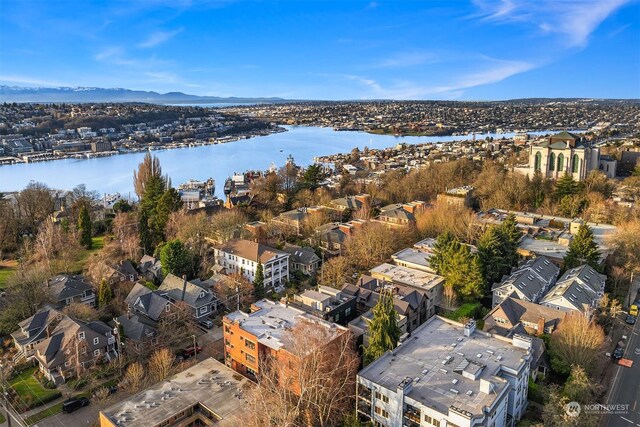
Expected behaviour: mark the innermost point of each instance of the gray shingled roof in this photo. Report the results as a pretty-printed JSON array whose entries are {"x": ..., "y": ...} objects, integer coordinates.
[
  {"x": 63, "y": 287},
  {"x": 194, "y": 295}
]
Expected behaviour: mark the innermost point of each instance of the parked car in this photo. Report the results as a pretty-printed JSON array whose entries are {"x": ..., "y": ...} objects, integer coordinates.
[
  {"x": 206, "y": 323},
  {"x": 618, "y": 353},
  {"x": 187, "y": 353},
  {"x": 71, "y": 405},
  {"x": 631, "y": 319}
]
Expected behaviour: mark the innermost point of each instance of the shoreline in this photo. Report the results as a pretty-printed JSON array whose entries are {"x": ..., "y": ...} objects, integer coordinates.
[{"x": 39, "y": 157}]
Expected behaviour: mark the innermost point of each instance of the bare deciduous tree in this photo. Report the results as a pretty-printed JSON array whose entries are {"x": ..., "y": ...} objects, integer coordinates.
[
  {"x": 133, "y": 378},
  {"x": 576, "y": 342},
  {"x": 314, "y": 387},
  {"x": 160, "y": 364},
  {"x": 335, "y": 272},
  {"x": 444, "y": 217},
  {"x": 373, "y": 243},
  {"x": 150, "y": 167}
]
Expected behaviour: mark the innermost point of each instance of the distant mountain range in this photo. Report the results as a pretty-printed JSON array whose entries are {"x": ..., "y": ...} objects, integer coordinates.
[{"x": 96, "y": 94}]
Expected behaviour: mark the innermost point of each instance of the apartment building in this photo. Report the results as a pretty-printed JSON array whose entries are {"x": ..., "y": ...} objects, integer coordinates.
[
  {"x": 205, "y": 394},
  {"x": 243, "y": 256},
  {"x": 431, "y": 285},
  {"x": 250, "y": 337},
  {"x": 448, "y": 375},
  {"x": 578, "y": 289}
]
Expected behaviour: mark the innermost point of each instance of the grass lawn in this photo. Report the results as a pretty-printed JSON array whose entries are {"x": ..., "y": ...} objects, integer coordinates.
[
  {"x": 83, "y": 256},
  {"x": 55, "y": 409},
  {"x": 7, "y": 268},
  {"x": 25, "y": 384},
  {"x": 469, "y": 310}
]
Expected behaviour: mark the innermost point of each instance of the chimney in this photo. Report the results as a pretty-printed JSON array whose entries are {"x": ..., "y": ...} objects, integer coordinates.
[
  {"x": 469, "y": 328},
  {"x": 345, "y": 228},
  {"x": 364, "y": 198},
  {"x": 184, "y": 285},
  {"x": 541, "y": 322}
]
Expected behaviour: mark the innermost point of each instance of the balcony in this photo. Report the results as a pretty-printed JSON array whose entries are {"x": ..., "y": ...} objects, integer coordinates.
[
  {"x": 411, "y": 418},
  {"x": 364, "y": 408}
]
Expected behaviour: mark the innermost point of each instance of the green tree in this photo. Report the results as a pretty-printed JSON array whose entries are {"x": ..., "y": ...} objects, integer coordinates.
[
  {"x": 258, "y": 283},
  {"x": 583, "y": 249},
  {"x": 511, "y": 236},
  {"x": 492, "y": 257},
  {"x": 144, "y": 233},
  {"x": 312, "y": 177},
  {"x": 384, "y": 332},
  {"x": 122, "y": 206},
  {"x": 175, "y": 258},
  {"x": 169, "y": 202},
  {"x": 566, "y": 186},
  {"x": 459, "y": 267},
  {"x": 84, "y": 227},
  {"x": 105, "y": 295}
]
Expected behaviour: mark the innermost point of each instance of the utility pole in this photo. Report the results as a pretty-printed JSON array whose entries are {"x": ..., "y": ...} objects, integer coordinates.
[
  {"x": 195, "y": 348},
  {"x": 5, "y": 403}
]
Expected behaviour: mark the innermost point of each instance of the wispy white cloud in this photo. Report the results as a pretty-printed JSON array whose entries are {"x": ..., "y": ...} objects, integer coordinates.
[
  {"x": 159, "y": 37},
  {"x": 573, "y": 20},
  {"x": 491, "y": 70}
]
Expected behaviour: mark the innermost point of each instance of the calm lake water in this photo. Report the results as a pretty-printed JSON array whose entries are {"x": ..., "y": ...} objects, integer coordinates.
[{"x": 115, "y": 174}]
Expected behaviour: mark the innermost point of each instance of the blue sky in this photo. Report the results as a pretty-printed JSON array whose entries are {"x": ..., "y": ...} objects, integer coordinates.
[{"x": 478, "y": 49}]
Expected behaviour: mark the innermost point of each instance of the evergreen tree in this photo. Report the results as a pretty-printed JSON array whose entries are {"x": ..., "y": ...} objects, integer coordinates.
[
  {"x": 169, "y": 202},
  {"x": 492, "y": 255},
  {"x": 460, "y": 268},
  {"x": 566, "y": 186},
  {"x": 511, "y": 236},
  {"x": 258, "y": 283},
  {"x": 143, "y": 231},
  {"x": 84, "y": 227},
  {"x": 384, "y": 332},
  {"x": 104, "y": 294},
  {"x": 446, "y": 244},
  {"x": 583, "y": 249},
  {"x": 175, "y": 258},
  {"x": 312, "y": 177}
]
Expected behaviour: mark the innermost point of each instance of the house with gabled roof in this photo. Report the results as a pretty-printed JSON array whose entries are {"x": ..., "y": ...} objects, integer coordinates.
[
  {"x": 522, "y": 316},
  {"x": 303, "y": 259},
  {"x": 150, "y": 268},
  {"x": 579, "y": 289},
  {"x": 243, "y": 256},
  {"x": 66, "y": 289},
  {"x": 529, "y": 282},
  {"x": 200, "y": 300},
  {"x": 72, "y": 346},
  {"x": 34, "y": 330}
]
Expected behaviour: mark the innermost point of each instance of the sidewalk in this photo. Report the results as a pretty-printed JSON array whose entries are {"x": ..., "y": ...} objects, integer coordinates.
[{"x": 43, "y": 407}]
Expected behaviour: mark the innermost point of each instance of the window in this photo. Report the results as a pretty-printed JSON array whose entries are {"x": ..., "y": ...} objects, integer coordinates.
[
  {"x": 537, "y": 161},
  {"x": 96, "y": 353},
  {"x": 250, "y": 358},
  {"x": 382, "y": 397},
  {"x": 381, "y": 412},
  {"x": 575, "y": 164},
  {"x": 203, "y": 309},
  {"x": 347, "y": 311},
  {"x": 250, "y": 345},
  {"x": 84, "y": 350},
  {"x": 81, "y": 336},
  {"x": 66, "y": 364},
  {"x": 560, "y": 162},
  {"x": 552, "y": 161},
  {"x": 96, "y": 341},
  {"x": 167, "y": 308}
]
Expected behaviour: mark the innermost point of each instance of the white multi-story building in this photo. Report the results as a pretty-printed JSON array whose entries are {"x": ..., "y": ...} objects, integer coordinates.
[
  {"x": 243, "y": 256},
  {"x": 448, "y": 375},
  {"x": 566, "y": 153}
]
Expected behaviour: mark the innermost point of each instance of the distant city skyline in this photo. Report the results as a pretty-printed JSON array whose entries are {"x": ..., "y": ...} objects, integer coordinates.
[{"x": 333, "y": 50}]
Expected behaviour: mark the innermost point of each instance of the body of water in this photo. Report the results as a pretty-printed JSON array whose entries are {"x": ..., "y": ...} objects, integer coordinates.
[{"x": 115, "y": 174}]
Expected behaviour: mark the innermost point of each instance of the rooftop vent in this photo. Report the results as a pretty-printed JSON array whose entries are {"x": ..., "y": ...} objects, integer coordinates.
[
  {"x": 454, "y": 381},
  {"x": 454, "y": 391},
  {"x": 469, "y": 392}
]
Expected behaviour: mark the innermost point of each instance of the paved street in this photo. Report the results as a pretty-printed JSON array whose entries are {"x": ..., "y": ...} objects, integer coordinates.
[{"x": 625, "y": 388}]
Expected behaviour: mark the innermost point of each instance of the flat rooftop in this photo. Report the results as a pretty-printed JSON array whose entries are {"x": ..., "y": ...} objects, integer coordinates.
[
  {"x": 273, "y": 320},
  {"x": 407, "y": 276},
  {"x": 209, "y": 383},
  {"x": 414, "y": 256},
  {"x": 441, "y": 362}
]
